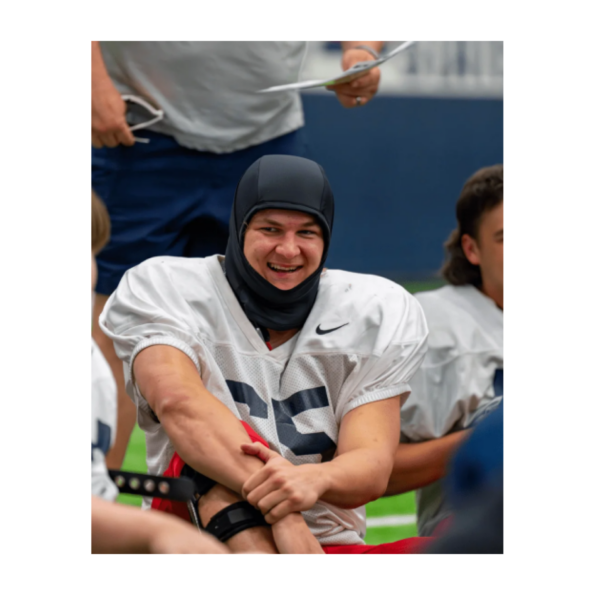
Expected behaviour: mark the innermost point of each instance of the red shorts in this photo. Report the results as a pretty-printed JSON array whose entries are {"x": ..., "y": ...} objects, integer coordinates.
[{"x": 412, "y": 545}]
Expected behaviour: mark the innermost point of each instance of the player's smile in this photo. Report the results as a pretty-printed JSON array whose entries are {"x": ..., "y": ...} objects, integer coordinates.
[
  {"x": 283, "y": 269},
  {"x": 285, "y": 247}
]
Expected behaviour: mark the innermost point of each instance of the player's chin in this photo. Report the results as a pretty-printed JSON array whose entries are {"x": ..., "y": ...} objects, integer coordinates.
[
  {"x": 285, "y": 284},
  {"x": 288, "y": 282}
]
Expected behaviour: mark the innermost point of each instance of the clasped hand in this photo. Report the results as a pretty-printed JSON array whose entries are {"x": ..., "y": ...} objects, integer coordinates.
[{"x": 280, "y": 487}]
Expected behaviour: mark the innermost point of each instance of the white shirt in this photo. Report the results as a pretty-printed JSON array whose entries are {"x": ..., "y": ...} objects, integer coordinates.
[
  {"x": 103, "y": 423},
  {"x": 362, "y": 341},
  {"x": 208, "y": 89},
  {"x": 460, "y": 380}
]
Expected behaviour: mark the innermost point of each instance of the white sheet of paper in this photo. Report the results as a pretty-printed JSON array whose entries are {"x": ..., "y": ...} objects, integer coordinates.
[{"x": 347, "y": 76}]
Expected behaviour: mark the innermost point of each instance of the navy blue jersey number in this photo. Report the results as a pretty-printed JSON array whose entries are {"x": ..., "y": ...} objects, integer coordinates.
[
  {"x": 499, "y": 382},
  {"x": 304, "y": 400},
  {"x": 104, "y": 436}
]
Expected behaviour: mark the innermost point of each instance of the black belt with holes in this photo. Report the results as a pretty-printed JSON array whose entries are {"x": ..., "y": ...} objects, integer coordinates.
[{"x": 180, "y": 489}]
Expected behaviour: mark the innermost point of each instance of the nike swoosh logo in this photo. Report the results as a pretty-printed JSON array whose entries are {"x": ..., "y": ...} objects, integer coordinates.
[{"x": 319, "y": 331}]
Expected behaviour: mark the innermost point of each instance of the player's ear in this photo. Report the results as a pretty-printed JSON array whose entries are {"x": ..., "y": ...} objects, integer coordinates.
[{"x": 470, "y": 249}]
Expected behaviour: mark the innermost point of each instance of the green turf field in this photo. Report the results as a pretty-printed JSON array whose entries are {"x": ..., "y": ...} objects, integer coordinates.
[{"x": 389, "y": 519}]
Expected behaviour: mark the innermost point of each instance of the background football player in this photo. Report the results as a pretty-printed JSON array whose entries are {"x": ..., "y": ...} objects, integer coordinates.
[{"x": 461, "y": 378}]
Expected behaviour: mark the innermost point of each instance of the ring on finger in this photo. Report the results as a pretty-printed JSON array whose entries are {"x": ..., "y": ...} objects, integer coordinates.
[{"x": 358, "y": 101}]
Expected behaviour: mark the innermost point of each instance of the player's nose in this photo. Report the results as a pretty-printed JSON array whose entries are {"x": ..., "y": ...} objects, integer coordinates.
[{"x": 288, "y": 247}]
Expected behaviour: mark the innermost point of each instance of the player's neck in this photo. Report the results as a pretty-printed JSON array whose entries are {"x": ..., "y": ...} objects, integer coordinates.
[
  {"x": 494, "y": 293},
  {"x": 277, "y": 338}
]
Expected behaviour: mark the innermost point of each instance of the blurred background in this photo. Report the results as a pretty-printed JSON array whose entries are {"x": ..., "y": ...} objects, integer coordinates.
[{"x": 438, "y": 117}]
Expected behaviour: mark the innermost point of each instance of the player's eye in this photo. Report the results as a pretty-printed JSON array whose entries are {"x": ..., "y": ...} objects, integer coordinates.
[{"x": 269, "y": 229}]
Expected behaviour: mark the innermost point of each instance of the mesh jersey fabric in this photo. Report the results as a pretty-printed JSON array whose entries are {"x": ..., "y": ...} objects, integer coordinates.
[
  {"x": 294, "y": 396},
  {"x": 455, "y": 385},
  {"x": 103, "y": 423}
]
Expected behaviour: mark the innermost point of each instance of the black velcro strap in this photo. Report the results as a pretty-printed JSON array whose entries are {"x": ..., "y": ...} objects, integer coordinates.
[
  {"x": 170, "y": 488},
  {"x": 202, "y": 483},
  {"x": 233, "y": 519}
]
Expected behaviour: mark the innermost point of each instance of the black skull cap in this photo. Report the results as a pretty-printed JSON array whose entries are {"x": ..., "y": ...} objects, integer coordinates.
[
  {"x": 277, "y": 182},
  {"x": 284, "y": 182}
]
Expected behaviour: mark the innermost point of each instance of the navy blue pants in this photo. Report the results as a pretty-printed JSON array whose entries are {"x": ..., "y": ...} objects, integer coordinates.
[{"x": 166, "y": 200}]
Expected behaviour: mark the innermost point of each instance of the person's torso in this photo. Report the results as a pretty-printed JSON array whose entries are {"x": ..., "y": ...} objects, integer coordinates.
[
  {"x": 295, "y": 395},
  {"x": 209, "y": 90},
  {"x": 459, "y": 382},
  {"x": 103, "y": 423}
]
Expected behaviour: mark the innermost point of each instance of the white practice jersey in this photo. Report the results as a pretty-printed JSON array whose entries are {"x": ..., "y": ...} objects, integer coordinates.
[
  {"x": 363, "y": 340},
  {"x": 460, "y": 380},
  {"x": 103, "y": 423}
]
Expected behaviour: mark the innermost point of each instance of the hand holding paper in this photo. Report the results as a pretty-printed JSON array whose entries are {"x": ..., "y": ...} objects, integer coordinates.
[
  {"x": 358, "y": 89},
  {"x": 354, "y": 72}
]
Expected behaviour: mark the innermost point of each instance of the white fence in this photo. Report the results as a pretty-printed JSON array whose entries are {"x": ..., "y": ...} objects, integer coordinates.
[{"x": 433, "y": 68}]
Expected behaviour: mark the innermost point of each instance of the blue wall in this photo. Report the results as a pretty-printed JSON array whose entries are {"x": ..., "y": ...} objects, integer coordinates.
[{"x": 396, "y": 167}]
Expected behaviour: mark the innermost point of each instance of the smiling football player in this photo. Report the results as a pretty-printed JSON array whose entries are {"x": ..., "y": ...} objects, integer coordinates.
[{"x": 274, "y": 383}]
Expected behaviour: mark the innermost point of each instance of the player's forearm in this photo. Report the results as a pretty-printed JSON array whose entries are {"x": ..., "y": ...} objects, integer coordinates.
[
  {"x": 121, "y": 529},
  {"x": 115, "y": 532},
  {"x": 356, "y": 477},
  {"x": 204, "y": 432},
  {"x": 418, "y": 465},
  {"x": 99, "y": 74},
  {"x": 207, "y": 436},
  {"x": 292, "y": 536}
]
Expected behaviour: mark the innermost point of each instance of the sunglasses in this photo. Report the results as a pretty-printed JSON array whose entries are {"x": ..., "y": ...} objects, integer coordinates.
[{"x": 156, "y": 113}]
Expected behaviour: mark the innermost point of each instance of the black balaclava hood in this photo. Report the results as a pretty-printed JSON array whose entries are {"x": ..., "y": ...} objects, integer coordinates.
[{"x": 277, "y": 182}]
